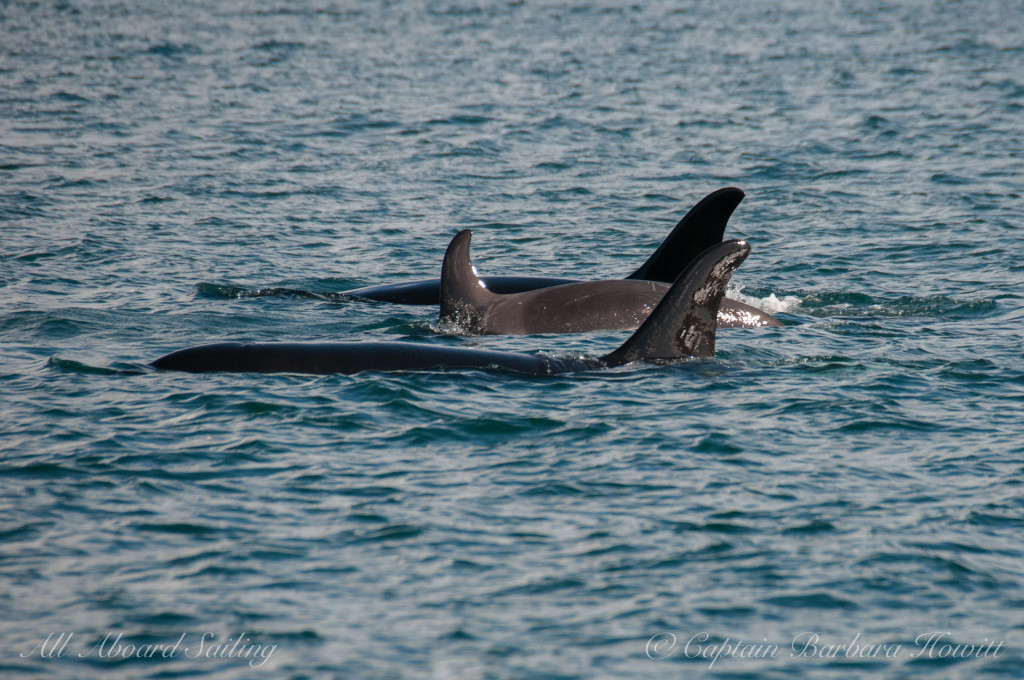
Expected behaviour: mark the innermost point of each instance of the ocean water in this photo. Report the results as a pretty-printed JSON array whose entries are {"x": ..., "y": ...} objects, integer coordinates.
[{"x": 839, "y": 498}]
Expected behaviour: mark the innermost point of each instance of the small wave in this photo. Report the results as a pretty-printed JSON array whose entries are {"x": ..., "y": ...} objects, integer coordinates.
[
  {"x": 167, "y": 49},
  {"x": 859, "y": 304},
  {"x": 69, "y": 98},
  {"x": 271, "y": 45},
  {"x": 231, "y": 291},
  {"x": 39, "y": 471},
  {"x": 393, "y": 325},
  {"x": 393, "y": 532},
  {"x": 32, "y": 257},
  {"x": 69, "y": 366},
  {"x": 184, "y": 528},
  {"x": 772, "y": 304}
]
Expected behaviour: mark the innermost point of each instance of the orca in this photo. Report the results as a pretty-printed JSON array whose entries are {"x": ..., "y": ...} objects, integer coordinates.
[
  {"x": 683, "y": 324},
  {"x": 469, "y": 308},
  {"x": 701, "y": 227}
]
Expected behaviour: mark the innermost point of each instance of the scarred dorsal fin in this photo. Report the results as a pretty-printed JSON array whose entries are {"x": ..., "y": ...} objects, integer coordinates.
[
  {"x": 683, "y": 324},
  {"x": 463, "y": 293},
  {"x": 701, "y": 228}
]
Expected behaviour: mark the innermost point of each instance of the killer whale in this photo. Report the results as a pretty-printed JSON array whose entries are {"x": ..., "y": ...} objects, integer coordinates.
[
  {"x": 702, "y": 227},
  {"x": 470, "y": 308},
  {"x": 683, "y": 324}
]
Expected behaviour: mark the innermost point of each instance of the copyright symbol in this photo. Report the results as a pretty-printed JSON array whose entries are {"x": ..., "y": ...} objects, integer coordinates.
[{"x": 661, "y": 646}]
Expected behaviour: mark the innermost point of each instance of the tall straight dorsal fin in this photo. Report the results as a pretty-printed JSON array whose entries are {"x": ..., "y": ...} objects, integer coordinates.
[
  {"x": 683, "y": 324},
  {"x": 701, "y": 228},
  {"x": 463, "y": 293}
]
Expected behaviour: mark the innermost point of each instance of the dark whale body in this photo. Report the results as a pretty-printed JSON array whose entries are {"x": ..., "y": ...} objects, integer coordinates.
[
  {"x": 469, "y": 307},
  {"x": 428, "y": 291},
  {"x": 683, "y": 324},
  {"x": 701, "y": 227}
]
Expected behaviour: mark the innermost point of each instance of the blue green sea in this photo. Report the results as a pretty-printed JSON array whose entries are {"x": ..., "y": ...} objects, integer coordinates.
[{"x": 842, "y": 497}]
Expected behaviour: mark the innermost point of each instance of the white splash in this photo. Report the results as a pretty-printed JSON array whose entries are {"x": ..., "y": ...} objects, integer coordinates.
[{"x": 771, "y": 304}]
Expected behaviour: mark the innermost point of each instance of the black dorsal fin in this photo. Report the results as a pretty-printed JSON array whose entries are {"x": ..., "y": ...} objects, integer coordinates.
[
  {"x": 463, "y": 293},
  {"x": 701, "y": 228},
  {"x": 683, "y": 324}
]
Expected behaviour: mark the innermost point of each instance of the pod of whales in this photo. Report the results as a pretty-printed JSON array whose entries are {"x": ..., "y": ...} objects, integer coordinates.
[
  {"x": 683, "y": 324},
  {"x": 701, "y": 227}
]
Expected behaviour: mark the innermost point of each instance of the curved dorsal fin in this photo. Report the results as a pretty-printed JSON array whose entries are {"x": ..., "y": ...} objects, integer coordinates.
[
  {"x": 684, "y": 322},
  {"x": 463, "y": 293},
  {"x": 699, "y": 229}
]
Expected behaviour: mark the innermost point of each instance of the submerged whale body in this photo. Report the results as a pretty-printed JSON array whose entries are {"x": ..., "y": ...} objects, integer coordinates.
[
  {"x": 469, "y": 307},
  {"x": 701, "y": 227},
  {"x": 682, "y": 325}
]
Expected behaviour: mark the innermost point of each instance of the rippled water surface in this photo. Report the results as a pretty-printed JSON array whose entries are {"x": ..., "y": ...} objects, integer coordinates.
[{"x": 833, "y": 494}]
